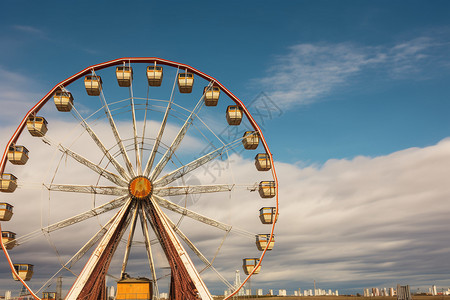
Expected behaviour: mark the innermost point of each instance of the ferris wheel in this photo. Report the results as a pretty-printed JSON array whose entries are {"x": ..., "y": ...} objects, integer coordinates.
[{"x": 128, "y": 141}]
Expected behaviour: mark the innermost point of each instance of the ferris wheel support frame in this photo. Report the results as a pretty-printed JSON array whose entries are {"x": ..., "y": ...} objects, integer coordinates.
[{"x": 154, "y": 60}]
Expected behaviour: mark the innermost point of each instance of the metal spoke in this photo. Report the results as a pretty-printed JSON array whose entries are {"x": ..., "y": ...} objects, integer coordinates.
[
  {"x": 191, "y": 214},
  {"x": 176, "y": 142},
  {"x": 102, "y": 254},
  {"x": 88, "y": 189},
  {"x": 130, "y": 241},
  {"x": 77, "y": 256},
  {"x": 201, "y": 218},
  {"x": 99, "y": 170},
  {"x": 102, "y": 147},
  {"x": 184, "y": 257},
  {"x": 118, "y": 202},
  {"x": 136, "y": 146},
  {"x": 117, "y": 136},
  {"x": 193, "y": 189},
  {"x": 197, "y": 252},
  {"x": 151, "y": 159},
  {"x": 183, "y": 170},
  {"x": 144, "y": 226}
]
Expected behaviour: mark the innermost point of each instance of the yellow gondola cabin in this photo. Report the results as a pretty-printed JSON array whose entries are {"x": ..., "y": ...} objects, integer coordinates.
[
  {"x": 25, "y": 271},
  {"x": 48, "y": 296},
  {"x": 267, "y": 189},
  {"x": 262, "y": 162},
  {"x": 261, "y": 241},
  {"x": 17, "y": 155},
  {"x": 250, "y": 140},
  {"x": 63, "y": 100},
  {"x": 124, "y": 75},
  {"x": 8, "y": 183},
  {"x": 267, "y": 215},
  {"x": 249, "y": 264},
  {"x": 234, "y": 115},
  {"x": 6, "y": 211},
  {"x": 211, "y": 95},
  {"x": 8, "y": 239},
  {"x": 185, "y": 82},
  {"x": 93, "y": 85},
  {"x": 154, "y": 75},
  {"x": 37, "y": 126},
  {"x": 134, "y": 288}
]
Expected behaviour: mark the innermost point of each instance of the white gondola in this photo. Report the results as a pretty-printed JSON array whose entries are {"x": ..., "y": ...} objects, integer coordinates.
[
  {"x": 93, "y": 85},
  {"x": 267, "y": 215},
  {"x": 250, "y": 140},
  {"x": 6, "y": 211},
  {"x": 8, "y": 239},
  {"x": 262, "y": 162},
  {"x": 211, "y": 95},
  {"x": 25, "y": 271},
  {"x": 154, "y": 75},
  {"x": 8, "y": 183},
  {"x": 17, "y": 155},
  {"x": 124, "y": 75},
  {"x": 63, "y": 100},
  {"x": 262, "y": 240},
  {"x": 37, "y": 126},
  {"x": 249, "y": 264},
  {"x": 267, "y": 189},
  {"x": 185, "y": 82},
  {"x": 48, "y": 295},
  {"x": 234, "y": 115}
]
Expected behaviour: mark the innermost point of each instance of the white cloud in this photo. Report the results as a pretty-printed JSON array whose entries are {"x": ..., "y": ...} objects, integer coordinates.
[
  {"x": 365, "y": 221},
  {"x": 309, "y": 72},
  {"x": 18, "y": 93}
]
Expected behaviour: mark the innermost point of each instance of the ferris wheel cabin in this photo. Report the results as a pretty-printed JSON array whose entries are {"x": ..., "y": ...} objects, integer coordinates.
[
  {"x": 93, "y": 85},
  {"x": 8, "y": 239},
  {"x": 63, "y": 100},
  {"x": 267, "y": 189},
  {"x": 262, "y": 162},
  {"x": 262, "y": 240},
  {"x": 25, "y": 271},
  {"x": 37, "y": 126},
  {"x": 154, "y": 75},
  {"x": 267, "y": 215},
  {"x": 185, "y": 82},
  {"x": 8, "y": 183},
  {"x": 6, "y": 211},
  {"x": 134, "y": 288},
  {"x": 211, "y": 95},
  {"x": 250, "y": 140},
  {"x": 124, "y": 75},
  {"x": 234, "y": 115},
  {"x": 17, "y": 155},
  {"x": 48, "y": 296},
  {"x": 248, "y": 264}
]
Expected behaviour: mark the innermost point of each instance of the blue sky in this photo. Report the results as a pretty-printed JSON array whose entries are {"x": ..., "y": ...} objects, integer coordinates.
[{"x": 358, "y": 85}]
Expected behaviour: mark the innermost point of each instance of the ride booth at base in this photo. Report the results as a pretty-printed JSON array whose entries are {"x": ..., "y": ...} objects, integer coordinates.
[{"x": 134, "y": 288}]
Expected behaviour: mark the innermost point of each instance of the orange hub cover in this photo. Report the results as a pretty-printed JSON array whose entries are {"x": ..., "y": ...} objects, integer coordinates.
[{"x": 140, "y": 187}]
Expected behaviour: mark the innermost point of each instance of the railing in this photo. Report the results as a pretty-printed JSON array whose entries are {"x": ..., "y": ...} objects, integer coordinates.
[{"x": 134, "y": 296}]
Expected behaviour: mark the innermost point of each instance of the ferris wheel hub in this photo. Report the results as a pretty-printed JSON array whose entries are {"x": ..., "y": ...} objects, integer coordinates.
[{"x": 140, "y": 187}]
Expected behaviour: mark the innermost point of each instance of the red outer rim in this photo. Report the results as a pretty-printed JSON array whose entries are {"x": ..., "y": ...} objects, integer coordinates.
[{"x": 120, "y": 61}]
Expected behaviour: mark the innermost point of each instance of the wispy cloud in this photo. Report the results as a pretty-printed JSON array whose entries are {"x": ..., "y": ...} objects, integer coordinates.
[
  {"x": 30, "y": 30},
  {"x": 311, "y": 71}
]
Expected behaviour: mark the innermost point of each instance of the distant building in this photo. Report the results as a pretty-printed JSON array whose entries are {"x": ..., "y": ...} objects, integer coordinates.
[
  {"x": 248, "y": 292},
  {"x": 391, "y": 292},
  {"x": 433, "y": 290},
  {"x": 282, "y": 293},
  {"x": 259, "y": 292},
  {"x": 271, "y": 292}
]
